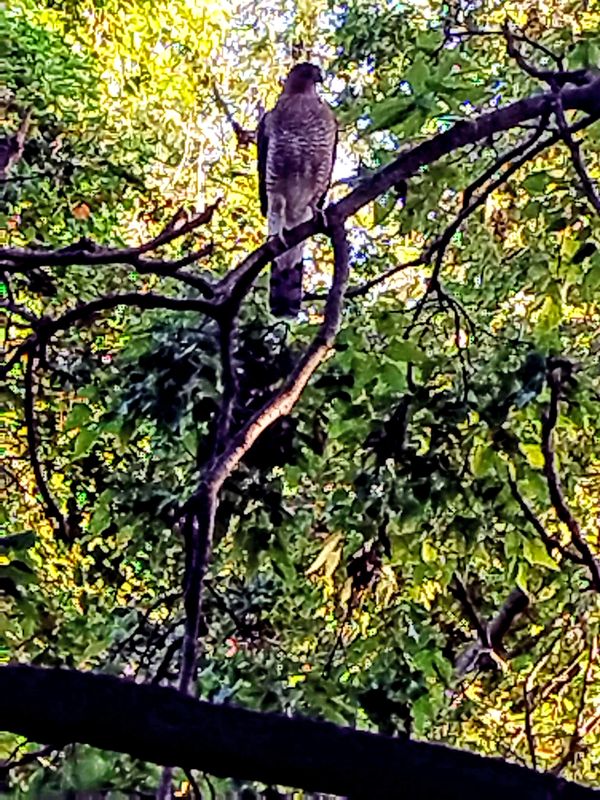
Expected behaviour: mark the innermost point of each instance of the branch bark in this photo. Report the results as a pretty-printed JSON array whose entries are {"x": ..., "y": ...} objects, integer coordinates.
[
  {"x": 163, "y": 726},
  {"x": 555, "y": 489}
]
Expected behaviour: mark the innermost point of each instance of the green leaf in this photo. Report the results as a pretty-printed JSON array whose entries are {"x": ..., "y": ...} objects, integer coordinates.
[
  {"x": 391, "y": 112},
  {"x": 84, "y": 440},
  {"x": 418, "y": 73},
  {"x": 78, "y": 415},
  {"x": 18, "y": 541},
  {"x": 422, "y": 713},
  {"x": 428, "y": 552},
  {"x": 102, "y": 515},
  {"x": 405, "y": 351},
  {"x": 535, "y": 552},
  {"x": 482, "y": 460},
  {"x": 537, "y": 182}
]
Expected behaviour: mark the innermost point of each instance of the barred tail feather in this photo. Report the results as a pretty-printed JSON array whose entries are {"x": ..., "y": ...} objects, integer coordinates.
[{"x": 286, "y": 283}]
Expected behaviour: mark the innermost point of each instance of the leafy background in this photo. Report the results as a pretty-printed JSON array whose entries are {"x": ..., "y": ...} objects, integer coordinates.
[{"x": 341, "y": 538}]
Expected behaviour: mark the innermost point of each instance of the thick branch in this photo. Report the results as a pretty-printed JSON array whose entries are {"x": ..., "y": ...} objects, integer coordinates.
[
  {"x": 227, "y": 339},
  {"x": 198, "y": 529},
  {"x": 285, "y": 399},
  {"x": 236, "y": 283},
  {"x": 162, "y": 726},
  {"x": 516, "y": 602}
]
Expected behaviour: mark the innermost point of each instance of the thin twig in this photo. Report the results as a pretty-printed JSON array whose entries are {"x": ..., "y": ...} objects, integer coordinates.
[
  {"x": 528, "y": 727},
  {"x": 554, "y": 78},
  {"x": 577, "y": 158},
  {"x": 86, "y": 252},
  {"x": 243, "y": 135},
  {"x": 557, "y": 498},
  {"x": 284, "y": 400},
  {"x": 47, "y": 327},
  {"x": 549, "y": 541},
  {"x": 28, "y": 758},
  {"x": 197, "y": 794},
  {"x": 576, "y": 736},
  {"x": 52, "y": 511},
  {"x": 163, "y": 667},
  {"x": 459, "y": 591}
]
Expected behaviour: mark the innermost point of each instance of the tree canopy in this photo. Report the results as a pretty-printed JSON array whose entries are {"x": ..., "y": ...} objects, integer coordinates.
[{"x": 383, "y": 515}]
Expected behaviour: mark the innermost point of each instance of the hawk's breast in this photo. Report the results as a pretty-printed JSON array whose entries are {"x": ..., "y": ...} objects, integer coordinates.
[{"x": 301, "y": 140}]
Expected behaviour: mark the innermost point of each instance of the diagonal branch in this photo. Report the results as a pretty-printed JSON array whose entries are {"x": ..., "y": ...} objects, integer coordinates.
[
  {"x": 52, "y": 510},
  {"x": 557, "y": 497},
  {"x": 200, "y": 510},
  {"x": 578, "y": 733},
  {"x": 550, "y": 543},
  {"x": 162, "y": 726},
  {"x": 287, "y": 396},
  {"x": 227, "y": 339},
  {"x": 554, "y": 78},
  {"x": 577, "y": 158},
  {"x": 88, "y": 253}
]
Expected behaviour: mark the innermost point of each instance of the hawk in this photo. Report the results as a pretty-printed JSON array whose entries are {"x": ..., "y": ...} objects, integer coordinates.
[{"x": 296, "y": 148}]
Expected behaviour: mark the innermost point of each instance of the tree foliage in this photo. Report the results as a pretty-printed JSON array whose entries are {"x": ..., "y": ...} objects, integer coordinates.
[{"x": 413, "y": 548}]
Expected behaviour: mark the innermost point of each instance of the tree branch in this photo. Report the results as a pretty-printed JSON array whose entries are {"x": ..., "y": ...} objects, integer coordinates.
[
  {"x": 162, "y": 726},
  {"x": 52, "y": 510},
  {"x": 289, "y": 393},
  {"x": 557, "y": 498},
  {"x": 549, "y": 541},
  {"x": 88, "y": 253},
  {"x": 577, "y": 733},
  {"x": 46, "y": 327},
  {"x": 577, "y": 158}
]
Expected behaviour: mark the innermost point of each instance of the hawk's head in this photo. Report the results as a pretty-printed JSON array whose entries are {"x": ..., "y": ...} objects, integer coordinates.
[{"x": 302, "y": 78}]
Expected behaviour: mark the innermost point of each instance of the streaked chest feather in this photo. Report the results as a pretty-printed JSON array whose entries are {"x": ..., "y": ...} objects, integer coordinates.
[{"x": 301, "y": 139}]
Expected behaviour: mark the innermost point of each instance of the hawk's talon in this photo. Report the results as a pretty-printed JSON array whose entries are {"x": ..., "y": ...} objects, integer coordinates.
[
  {"x": 278, "y": 237},
  {"x": 321, "y": 216}
]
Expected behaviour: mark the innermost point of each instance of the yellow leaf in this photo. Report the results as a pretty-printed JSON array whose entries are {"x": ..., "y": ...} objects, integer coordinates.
[{"x": 330, "y": 553}]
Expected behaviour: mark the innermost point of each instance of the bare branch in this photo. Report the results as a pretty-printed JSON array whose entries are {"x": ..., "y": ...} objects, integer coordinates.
[
  {"x": 244, "y": 137},
  {"x": 529, "y": 727},
  {"x": 88, "y": 253},
  {"x": 162, "y": 726},
  {"x": 557, "y": 498},
  {"x": 578, "y": 733},
  {"x": 20, "y": 311},
  {"x": 549, "y": 541},
  {"x": 27, "y": 758},
  {"x": 577, "y": 158},
  {"x": 227, "y": 337},
  {"x": 285, "y": 399},
  {"x": 554, "y": 78},
  {"x": 459, "y": 591},
  {"x": 11, "y": 147},
  {"x": 198, "y": 530},
  {"x": 46, "y": 328},
  {"x": 52, "y": 511}
]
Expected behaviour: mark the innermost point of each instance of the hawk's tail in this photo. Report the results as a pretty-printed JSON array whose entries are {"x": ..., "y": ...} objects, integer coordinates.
[{"x": 286, "y": 283}]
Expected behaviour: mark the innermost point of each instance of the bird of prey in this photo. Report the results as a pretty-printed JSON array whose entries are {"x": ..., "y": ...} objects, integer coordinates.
[{"x": 296, "y": 148}]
